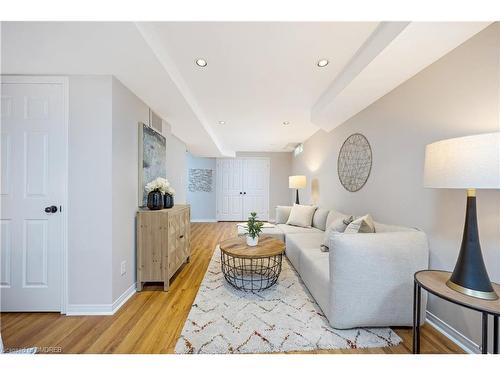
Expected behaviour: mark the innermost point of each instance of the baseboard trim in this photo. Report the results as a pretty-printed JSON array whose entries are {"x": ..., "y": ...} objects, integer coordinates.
[
  {"x": 458, "y": 338},
  {"x": 120, "y": 301},
  {"x": 203, "y": 220},
  {"x": 101, "y": 309}
]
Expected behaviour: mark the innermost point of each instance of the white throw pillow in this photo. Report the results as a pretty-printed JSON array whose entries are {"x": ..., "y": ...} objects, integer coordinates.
[
  {"x": 337, "y": 226},
  {"x": 282, "y": 214},
  {"x": 363, "y": 224},
  {"x": 301, "y": 216}
]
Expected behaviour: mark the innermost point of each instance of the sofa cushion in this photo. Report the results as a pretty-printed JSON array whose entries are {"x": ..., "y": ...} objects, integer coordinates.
[
  {"x": 282, "y": 214},
  {"x": 363, "y": 224},
  {"x": 384, "y": 228},
  {"x": 319, "y": 218},
  {"x": 296, "y": 243},
  {"x": 315, "y": 273},
  {"x": 291, "y": 229},
  {"x": 301, "y": 215},
  {"x": 334, "y": 215}
]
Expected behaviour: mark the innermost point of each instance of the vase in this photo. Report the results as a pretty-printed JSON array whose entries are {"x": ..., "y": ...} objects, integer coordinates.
[
  {"x": 252, "y": 241},
  {"x": 168, "y": 201},
  {"x": 155, "y": 200}
]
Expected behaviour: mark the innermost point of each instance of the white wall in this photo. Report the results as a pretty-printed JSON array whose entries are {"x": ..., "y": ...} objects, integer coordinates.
[
  {"x": 456, "y": 96},
  {"x": 89, "y": 190},
  {"x": 128, "y": 110},
  {"x": 103, "y": 187},
  {"x": 176, "y": 164},
  {"x": 281, "y": 169},
  {"x": 203, "y": 206}
]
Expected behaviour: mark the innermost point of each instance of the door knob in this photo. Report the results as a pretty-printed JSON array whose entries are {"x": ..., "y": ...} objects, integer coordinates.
[{"x": 51, "y": 209}]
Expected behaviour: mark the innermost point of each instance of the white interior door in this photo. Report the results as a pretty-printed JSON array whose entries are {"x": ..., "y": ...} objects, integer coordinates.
[
  {"x": 256, "y": 187},
  {"x": 34, "y": 175},
  {"x": 229, "y": 190},
  {"x": 242, "y": 187}
]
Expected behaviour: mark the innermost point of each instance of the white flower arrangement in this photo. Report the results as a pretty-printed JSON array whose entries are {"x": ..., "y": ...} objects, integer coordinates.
[
  {"x": 170, "y": 191},
  {"x": 160, "y": 184}
]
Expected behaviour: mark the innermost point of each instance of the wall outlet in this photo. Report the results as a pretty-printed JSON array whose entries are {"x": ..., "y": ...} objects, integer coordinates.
[{"x": 123, "y": 268}]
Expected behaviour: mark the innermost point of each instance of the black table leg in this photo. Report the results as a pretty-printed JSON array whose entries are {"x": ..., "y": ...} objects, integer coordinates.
[
  {"x": 485, "y": 334},
  {"x": 416, "y": 317},
  {"x": 495, "y": 333},
  {"x": 414, "y": 333},
  {"x": 419, "y": 297}
]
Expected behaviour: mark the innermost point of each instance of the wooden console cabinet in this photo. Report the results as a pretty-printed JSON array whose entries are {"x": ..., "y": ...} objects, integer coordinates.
[{"x": 163, "y": 243}]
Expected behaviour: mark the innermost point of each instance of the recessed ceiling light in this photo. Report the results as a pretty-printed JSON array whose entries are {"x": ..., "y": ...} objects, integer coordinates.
[
  {"x": 201, "y": 63},
  {"x": 222, "y": 122},
  {"x": 286, "y": 122},
  {"x": 322, "y": 63}
]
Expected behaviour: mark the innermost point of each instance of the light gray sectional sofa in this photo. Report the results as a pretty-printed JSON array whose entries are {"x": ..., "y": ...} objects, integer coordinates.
[{"x": 366, "y": 279}]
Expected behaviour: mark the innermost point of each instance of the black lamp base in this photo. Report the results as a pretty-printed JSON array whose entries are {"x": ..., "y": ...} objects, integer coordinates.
[
  {"x": 470, "y": 276},
  {"x": 297, "y": 197}
]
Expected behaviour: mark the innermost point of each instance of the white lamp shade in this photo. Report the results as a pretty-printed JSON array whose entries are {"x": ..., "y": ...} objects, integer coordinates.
[
  {"x": 471, "y": 162},
  {"x": 297, "y": 182}
]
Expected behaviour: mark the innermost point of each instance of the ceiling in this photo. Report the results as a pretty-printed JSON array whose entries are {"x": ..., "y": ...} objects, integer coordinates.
[{"x": 259, "y": 74}]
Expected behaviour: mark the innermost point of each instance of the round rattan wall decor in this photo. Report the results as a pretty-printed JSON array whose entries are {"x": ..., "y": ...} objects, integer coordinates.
[{"x": 355, "y": 162}]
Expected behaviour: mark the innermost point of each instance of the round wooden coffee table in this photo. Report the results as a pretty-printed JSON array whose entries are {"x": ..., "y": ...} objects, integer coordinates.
[{"x": 252, "y": 268}]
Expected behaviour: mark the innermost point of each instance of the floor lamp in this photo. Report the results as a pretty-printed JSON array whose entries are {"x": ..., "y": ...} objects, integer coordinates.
[
  {"x": 470, "y": 163},
  {"x": 297, "y": 182}
]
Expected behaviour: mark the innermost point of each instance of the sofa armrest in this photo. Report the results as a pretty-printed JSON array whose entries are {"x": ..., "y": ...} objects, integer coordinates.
[{"x": 371, "y": 277}]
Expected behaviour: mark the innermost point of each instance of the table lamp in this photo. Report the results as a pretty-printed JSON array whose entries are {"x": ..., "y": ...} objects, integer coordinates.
[
  {"x": 471, "y": 163},
  {"x": 297, "y": 182}
]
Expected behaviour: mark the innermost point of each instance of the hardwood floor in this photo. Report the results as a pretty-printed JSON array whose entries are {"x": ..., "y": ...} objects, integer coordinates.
[{"x": 152, "y": 320}]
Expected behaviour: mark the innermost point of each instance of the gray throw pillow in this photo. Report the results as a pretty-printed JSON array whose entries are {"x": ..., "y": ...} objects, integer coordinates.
[
  {"x": 282, "y": 214},
  {"x": 319, "y": 218}
]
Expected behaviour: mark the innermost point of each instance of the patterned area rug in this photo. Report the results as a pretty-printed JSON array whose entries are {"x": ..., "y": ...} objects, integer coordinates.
[{"x": 282, "y": 318}]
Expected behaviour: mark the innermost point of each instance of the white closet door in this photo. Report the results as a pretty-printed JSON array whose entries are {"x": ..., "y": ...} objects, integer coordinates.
[
  {"x": 229, "y": 190},
  {"x": 256, "y": 187},
  {"x": 32, "y": 191}
]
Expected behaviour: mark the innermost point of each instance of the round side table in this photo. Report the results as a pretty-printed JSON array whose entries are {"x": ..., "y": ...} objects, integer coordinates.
[
  {"x": 251, "y": 268},
  {"x": 434, "y": 282}
]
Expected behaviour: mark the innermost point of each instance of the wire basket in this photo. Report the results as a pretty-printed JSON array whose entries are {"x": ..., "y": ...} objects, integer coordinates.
[{"x": 251, "y": 274}]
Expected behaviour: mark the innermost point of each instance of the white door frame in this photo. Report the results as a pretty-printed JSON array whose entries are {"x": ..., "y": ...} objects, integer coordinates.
[{"x": 64, "y": 81}]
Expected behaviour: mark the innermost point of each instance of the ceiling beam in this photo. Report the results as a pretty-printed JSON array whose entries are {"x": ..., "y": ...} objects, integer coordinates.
[{"x": 394, "y": 53}]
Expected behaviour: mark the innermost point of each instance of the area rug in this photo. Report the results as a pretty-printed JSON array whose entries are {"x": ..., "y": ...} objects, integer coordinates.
[{"x": 282, "y": 318}]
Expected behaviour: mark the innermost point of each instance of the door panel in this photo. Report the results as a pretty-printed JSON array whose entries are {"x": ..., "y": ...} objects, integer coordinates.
[
  {"x": 36, "y": 164},
  {"x": 33, "y": 171},
  {"x": 229, "y": 190},
  {"x": 5, "y": 255},
  {"x": 35, "y": 254},
  {"x": 256, "y": 187}
]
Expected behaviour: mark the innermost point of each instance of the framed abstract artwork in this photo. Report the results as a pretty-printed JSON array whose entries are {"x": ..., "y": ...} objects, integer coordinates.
[{"x": 152, "y": 158}]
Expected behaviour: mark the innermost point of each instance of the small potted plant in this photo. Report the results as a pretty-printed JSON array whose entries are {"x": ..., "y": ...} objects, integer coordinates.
[{"x": 253, "y": 229}]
